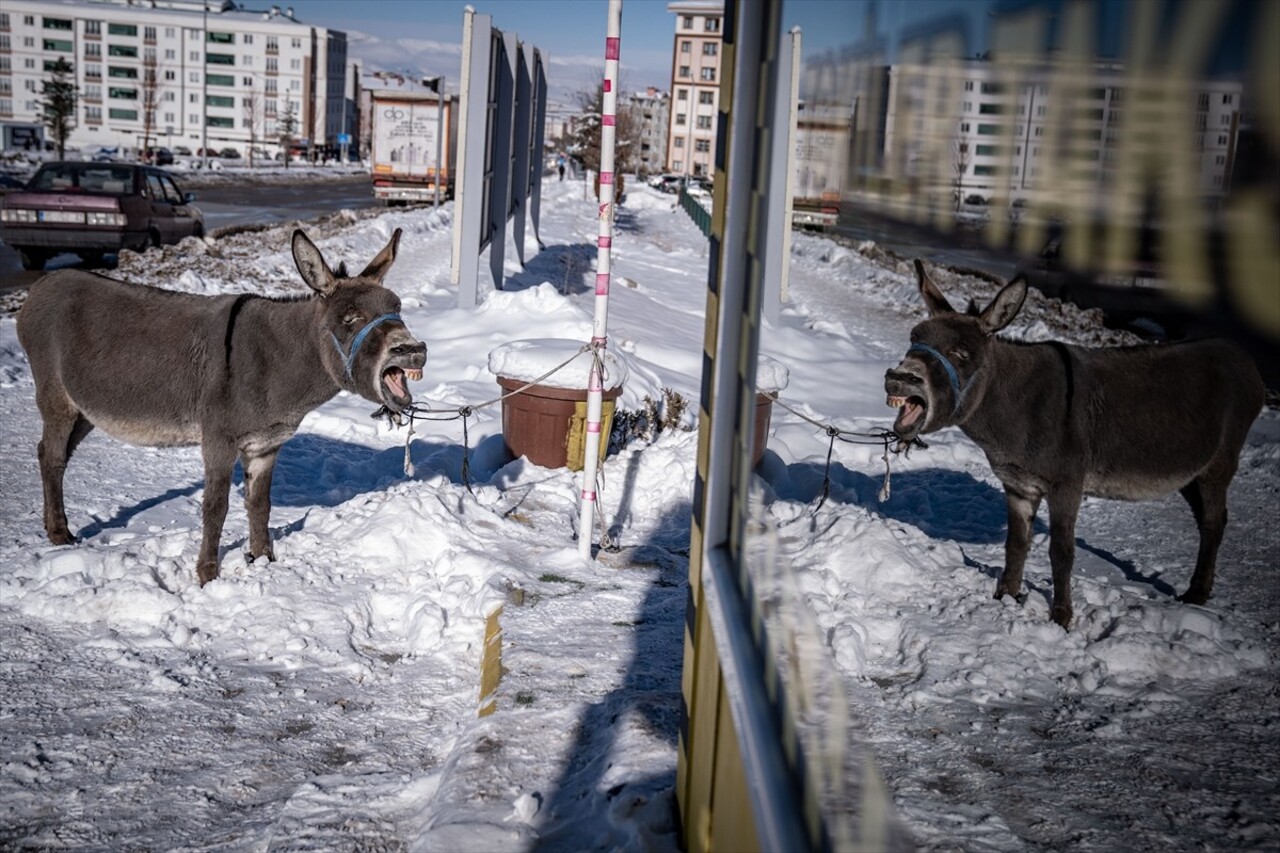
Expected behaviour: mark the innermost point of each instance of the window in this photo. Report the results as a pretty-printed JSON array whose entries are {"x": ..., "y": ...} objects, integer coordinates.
[
  {"x": 247, "y": 38},
  {"x": 680, "y": 118},
  {"x": 65, "y": 24},
  {"x": 990, "y": 109},
  {"x": 93, "y": 91},
  {"x": 222, "y": 80},
  {"x": 706, "y": 97},
  {"x": 220, "y": 101},
  {"x": 992, "y": 130},
  {"x": 711, "y": 25},
  {"x": 296, "y": 44},
  {"x": 149, "y": 33},
  {"x": 1202, "y": 101},
  {"x": 968, "y": 85},
  {"x": 295, "y": 64},
  {"x": 93, "y": 113},
  {"x": 92, "y": 49},
  {"x": 124, "y": 115},
  {"x": 708, "y": 74},
  {"x": 120, "y": 50},
  {"x": 987, "y": 151},
  {"x": 193, "y": 76},
  {"x": 170, "y": 53},
  {"x": 122, "y": 30},
  {"x": 219, "y": 121},
  {"x": 273, "y": 65},
  {"x": 984, "y": 170},
  {"x": 677, "y": 165},
  {"x": 1222, "y": 140},
  {"x": 686, "y": 47},
  {"x": 122, "y": 73},
  {"x": 273, "y": 43},
  {"x": 1226, "y": 99},
  {"x": 93, "y": 72},
  {"x": 220, "y": 59},
  {"x": 683, "y": 72},
  {"x": 679, "y": 142},
  {"x": 682, "y": 94},
  {"x": 122, "y": 93},
  {"x": 221, "y": 38},
  {"x": 686, "y": 23},
  {"x": 704, "y": 122},
  {"x": 1226, "y": 119},
  {"x": 194, "y": 55},
  {"x": 702, "y": 145},
  {"x": 58, "y": 44}
]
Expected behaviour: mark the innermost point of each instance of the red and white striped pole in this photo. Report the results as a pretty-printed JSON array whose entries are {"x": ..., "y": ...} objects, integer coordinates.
[{"x": 604, "y": 243}]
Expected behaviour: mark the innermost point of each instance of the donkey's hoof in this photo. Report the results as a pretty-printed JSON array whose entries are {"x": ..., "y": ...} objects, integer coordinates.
[
  {"x": 62, "y": 537},
  {"x": 1062, "y": 616},
  {"x": 207, "y": 572},
  {"x": 1192, "y": 596}
]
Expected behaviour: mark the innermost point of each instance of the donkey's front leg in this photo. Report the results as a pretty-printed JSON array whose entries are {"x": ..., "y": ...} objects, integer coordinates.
[
  {"x": 219, "y": 461},
  {"x": 1021, "y": 515},
  {"x": 1064, "y": 506},
  {"x": 258, "y": 468}
]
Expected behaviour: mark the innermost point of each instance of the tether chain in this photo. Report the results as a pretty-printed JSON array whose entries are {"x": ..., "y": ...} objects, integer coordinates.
[{"x": 883, "y": 437}]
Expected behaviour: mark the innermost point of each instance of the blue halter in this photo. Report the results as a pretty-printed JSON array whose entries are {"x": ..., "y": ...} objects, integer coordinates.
[
  {"x": 349, "y": 360},
  {"x": 952, "y": 374}
]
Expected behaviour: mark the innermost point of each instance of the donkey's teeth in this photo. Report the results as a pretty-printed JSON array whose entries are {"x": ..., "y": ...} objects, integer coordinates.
[{"x": 415, "y": 375}]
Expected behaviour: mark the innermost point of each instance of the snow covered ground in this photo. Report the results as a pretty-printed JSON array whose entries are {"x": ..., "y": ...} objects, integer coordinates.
[{"x": 329, "y": 700}]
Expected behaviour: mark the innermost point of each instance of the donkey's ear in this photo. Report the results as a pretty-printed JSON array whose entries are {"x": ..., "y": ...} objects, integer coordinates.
[
  {"x": 933, "y": 298},
  {"x": 378, "y": 266},
  {"x": 1005, "y": 306},
  {"x": 315, "y": 272}
]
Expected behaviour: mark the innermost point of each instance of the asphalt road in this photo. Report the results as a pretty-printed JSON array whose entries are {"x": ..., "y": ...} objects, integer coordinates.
[{"x": 229, "y": 205}]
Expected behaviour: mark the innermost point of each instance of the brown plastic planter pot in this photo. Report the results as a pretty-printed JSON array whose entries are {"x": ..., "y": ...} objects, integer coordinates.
[{"x": 549, "y": 425}]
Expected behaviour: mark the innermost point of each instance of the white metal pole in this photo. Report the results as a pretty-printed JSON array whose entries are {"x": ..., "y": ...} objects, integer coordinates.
[
  {"x": 604, "y": 243},
  {"x": 204, "y": 91}
]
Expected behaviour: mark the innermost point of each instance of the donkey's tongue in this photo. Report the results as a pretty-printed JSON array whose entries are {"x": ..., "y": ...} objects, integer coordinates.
[{"x": 395, "y": 381}]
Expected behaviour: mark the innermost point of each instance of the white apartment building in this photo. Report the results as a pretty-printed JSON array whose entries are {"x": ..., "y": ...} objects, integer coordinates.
[
  {"x": 650, "y": 111},
  {"x": 982, "y": 130},
  {"x": 695, "y": 87},
  {"x": 223, "y": 74}
]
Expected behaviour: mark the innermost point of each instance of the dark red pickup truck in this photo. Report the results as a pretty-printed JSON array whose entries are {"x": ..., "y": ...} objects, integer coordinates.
[{"x": 93, "y": 209}]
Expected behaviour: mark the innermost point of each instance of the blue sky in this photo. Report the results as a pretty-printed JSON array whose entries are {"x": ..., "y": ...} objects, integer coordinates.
[{"x": 424, "y": 36}]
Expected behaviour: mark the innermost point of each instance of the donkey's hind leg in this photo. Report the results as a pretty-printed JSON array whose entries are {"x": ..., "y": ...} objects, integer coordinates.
[
  {"x": 64, "y": 429},
  {"x": 1207, "y": 495}
]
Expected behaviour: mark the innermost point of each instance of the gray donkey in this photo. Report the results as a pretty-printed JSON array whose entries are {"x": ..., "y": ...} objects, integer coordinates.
[
  {"x": 1062, "y": 421},
  {"x": 234, "y": 373}
]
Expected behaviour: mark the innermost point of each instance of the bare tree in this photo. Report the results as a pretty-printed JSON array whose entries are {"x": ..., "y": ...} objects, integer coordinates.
[
  {"x": 960, "y": 157},
  {"x": 583, "y": 141},
  {"x": 251, "y": 108},
  {"x": 150, "y": 102},
  {"x": 288, "y": 128},
  {"x": 58, "y": 109}
]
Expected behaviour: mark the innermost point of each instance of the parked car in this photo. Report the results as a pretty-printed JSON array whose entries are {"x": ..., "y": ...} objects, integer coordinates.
[
  {"x": 159, "y": 156},
  {"x": 181, "y": 151},
  {"x": 230, "y": 153},
  {"x": 10, "y": 183},
  {"x": 666, "y": 183},
  {"x": 975, "y": 200},
  {"x": 95, "y": 208}
]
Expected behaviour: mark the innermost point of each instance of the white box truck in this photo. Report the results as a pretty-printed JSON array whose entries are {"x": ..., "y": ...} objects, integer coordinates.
[
  {"x": 404, "y": 151},
  {"x": 821, "y": 155}
]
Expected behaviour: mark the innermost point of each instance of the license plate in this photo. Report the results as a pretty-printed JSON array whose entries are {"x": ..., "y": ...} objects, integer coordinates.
[{"x": 61, "y": 216}]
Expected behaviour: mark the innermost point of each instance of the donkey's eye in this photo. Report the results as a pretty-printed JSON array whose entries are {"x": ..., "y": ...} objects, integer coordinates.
[
  {"x": 960, "y": 355},
  {"x": 351, "y": 319}
]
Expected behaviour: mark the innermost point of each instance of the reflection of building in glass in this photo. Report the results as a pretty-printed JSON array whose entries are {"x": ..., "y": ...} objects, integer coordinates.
[
  {"x": 984, "y": 129},
  {"x": 695, "y": 87}
]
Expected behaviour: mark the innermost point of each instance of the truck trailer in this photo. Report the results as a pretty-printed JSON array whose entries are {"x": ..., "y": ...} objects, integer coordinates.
[{"x": 405, "y": 128}]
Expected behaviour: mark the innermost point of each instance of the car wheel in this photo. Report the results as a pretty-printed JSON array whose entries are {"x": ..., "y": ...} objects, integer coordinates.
[
  {"x": 153, "y": 239},
  {"x": 94, "y": 259},
  {"x": 33, "y": 259},
  {"x": 198, "y": 231}
]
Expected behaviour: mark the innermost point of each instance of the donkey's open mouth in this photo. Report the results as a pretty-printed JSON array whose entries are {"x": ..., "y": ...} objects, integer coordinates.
[
  {"x": 912, "y": 412},
  {"x": 395, "y": 388}
]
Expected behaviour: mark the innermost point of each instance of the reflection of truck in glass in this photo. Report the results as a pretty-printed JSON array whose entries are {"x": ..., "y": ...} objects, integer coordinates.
[
  {"x": 404, "y": 130},
  {"x": 821, "y": 151}
]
